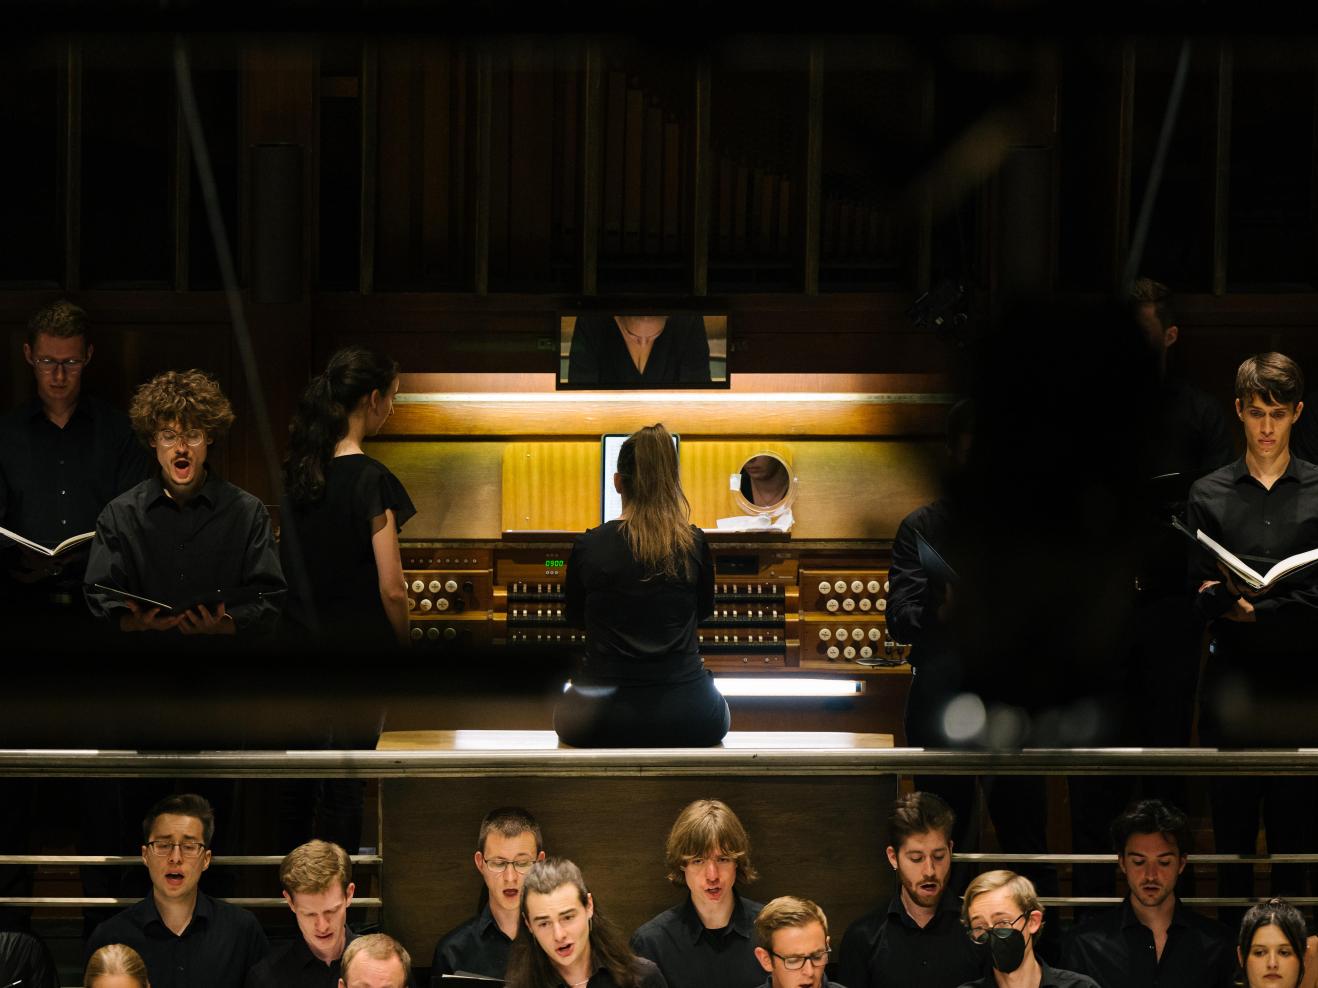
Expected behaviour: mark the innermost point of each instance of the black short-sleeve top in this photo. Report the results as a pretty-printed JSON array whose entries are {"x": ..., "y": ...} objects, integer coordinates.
[{"x": 338, "y": 575}]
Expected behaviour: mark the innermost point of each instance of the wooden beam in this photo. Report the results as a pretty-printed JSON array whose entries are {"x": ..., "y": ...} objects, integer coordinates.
[
  {"x": 370, "y": 110},
  {"x": 72, "y": 149},
  {"x": 701, "y": 174},
  {"x": 1222, "y": 171},
  {"x": 924, "y": 249},
  {"x": 484, "y": 120},
  {"x": 592, "y": 156},
  {"x": 814, "y": 170}
]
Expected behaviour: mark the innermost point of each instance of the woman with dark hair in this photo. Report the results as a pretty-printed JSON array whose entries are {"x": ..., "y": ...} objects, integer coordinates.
[
  {"x": 640, "y": 586},
  {"x": 566, "y": 942},
  {"x": 1273, "y": 941},
  {"x": 343, "y": 509}
]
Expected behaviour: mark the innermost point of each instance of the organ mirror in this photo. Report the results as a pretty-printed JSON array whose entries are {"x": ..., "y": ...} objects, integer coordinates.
[{"x": 765, "y": 484}]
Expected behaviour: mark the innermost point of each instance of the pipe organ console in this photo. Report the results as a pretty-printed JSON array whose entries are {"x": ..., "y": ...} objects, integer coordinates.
[{"x": 776, "y": 607}]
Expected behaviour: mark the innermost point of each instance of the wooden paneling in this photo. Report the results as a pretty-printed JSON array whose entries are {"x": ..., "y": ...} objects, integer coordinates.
[
  {"x": 590, "y": 413},
  {"x": 615, "y": 830},
  {"x": 551, "y": 485},
  {"x": 472, "y": 490}
]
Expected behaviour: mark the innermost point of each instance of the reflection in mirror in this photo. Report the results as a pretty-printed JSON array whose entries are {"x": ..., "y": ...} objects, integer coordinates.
[
  {"x": 643, "y": 350},
  {"x": 765, "y": 481}
]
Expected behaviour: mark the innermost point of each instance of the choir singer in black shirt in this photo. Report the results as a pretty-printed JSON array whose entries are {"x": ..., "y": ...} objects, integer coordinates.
[
  {"x": 64, "y": 455},
  {"x": 640, "y": 586},
  {"x": 566, "y": 942},
  {"x": 186, "y": 938},
  {"x": 1152, "y": 940},
  {"x": 708, "y": 941},
  {"x": 916, "y": 938},
  {"x": 1263, "y": 508},
  {"x": 317, "y": 881},
  {"x": 185, "y": 538}
]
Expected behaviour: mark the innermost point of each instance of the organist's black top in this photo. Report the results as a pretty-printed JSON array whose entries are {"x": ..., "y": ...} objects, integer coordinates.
[{"x": 639, "y": 628}]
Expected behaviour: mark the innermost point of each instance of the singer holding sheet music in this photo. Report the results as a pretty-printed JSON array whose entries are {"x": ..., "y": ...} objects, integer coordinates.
[
  {"x": 63, "y": 456},
  {"x": 185, "y": 537},
  {"x": 1263, "y": 508}
]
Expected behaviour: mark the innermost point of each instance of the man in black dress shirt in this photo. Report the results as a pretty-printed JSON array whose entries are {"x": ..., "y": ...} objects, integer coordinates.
[
  {"x": 186, "y": 938},
  {"x": 1260, "y": 680},
  {"x": 708, "y": 940},
  {"x": 916, "y": 938},
  {"x": 64, "y": 455},
  {"x": 507, "y": 845},
  {"x": 317, "y": 881},
  {"x": 1152, "y": 939},
  {"x": 791, "y": 944},
  {"x": 376, "y": 961},
  {"x": 1003, "y": 916},
  {"x": 185, "y": 534},
  {"x": 1189, "y": 438}
]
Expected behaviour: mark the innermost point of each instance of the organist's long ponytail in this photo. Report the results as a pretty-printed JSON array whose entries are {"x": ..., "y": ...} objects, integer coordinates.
[
  {"x": 657, "y": 516},
  {"x": 321, "y": 419}
]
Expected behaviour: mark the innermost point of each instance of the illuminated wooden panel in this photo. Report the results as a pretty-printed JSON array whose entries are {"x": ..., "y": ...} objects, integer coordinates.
[
  {"x": 593, "y": 413},
  {"x": 454, "y": 485},
  {"x": 551, "y": 485},
  {"x": 848, "y": 489}
]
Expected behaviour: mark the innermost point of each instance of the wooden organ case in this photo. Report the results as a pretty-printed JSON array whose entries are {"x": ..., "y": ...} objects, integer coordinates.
[{"x": 505, "y": 472}]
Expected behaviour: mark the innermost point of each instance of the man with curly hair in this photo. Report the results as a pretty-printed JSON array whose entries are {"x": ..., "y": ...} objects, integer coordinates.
[{"x": 185, "y": 538}]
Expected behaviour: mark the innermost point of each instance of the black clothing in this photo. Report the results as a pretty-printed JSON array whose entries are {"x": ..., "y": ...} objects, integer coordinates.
[
  {"x": 642, "y": 683},
  {"x": 599, "y": 354},
  {"x": 1261, "y": 526},
  {"x": 338, "y": 557},
  {"x": 1253, "y": 667},
  {"x": 1053, "y": 977},
  {"x": 648, "y": 974},
  {"x": 888, "y": 949},
  {"x": 55, "y": 481},
  {"x": 149, "y": 544},
  {"x": 826, "y": 983},
  {"x": 216, "y": 950},
  {"x": 478, "y": 946},
  {"x": 1115, "y": 949},
  {"x": 691, "y": 956},
  {"x": 293, "y": 965},
  {"x": 26, "y": 961},
  {"x": 1193, "y": 436}
]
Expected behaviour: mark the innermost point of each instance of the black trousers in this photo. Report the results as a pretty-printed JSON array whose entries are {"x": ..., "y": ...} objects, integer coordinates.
[{"x": 688, "y": 714}]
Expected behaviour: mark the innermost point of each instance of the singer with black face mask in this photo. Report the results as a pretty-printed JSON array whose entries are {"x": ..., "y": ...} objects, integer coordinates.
[{"x": 1003, "y": 915}]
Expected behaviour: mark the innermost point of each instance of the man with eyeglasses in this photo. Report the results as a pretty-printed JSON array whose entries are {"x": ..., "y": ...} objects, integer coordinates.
[
  {"x": 916, "y": 937},
  {"x": 186, "y": 938},
  {"x": 185, "y": 535},
  {"x": 1003, "y": 917},
  {"x": 791, "y": 944},
  {"x": 507, "y": 845},
  {"x": 708, "y": 941},
  {"x": 64, "y": 455}
]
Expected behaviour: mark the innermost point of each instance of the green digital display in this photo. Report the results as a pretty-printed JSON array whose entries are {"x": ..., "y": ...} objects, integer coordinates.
[{"x": 553, "y": 563}]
